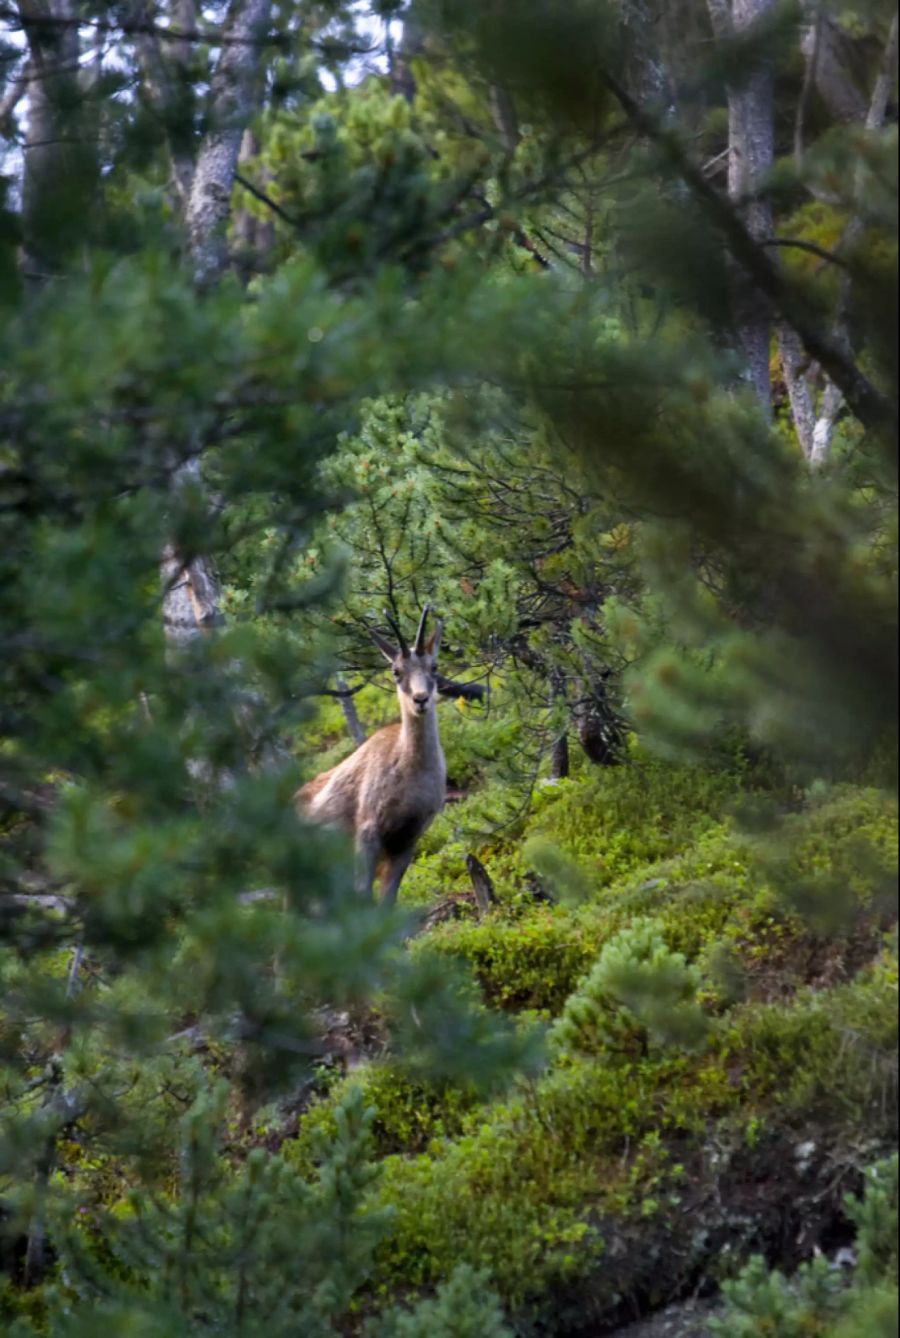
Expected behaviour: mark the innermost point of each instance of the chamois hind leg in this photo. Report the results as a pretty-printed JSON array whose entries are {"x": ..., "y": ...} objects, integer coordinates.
[
  {"x": 394, "y": 869},
  {"x": 368, "y": 846}
]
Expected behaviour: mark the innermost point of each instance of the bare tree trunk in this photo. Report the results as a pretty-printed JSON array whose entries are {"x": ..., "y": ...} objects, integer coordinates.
[
  {"x": 191, "y": 592},
  {"x": 599, "y": 728},
  {"x": 559, "y": 752},
  {"x": 482, "y": 884},
  {"x": 254, "y": 236},
  {"x": 795, "y": 366},
  {"x": 503, "y": 114},
  {"x": 192, "y": 597},
  {"x": 60, "y": 158},
  {"x": 827, "y": 51},
  {"x": 832, "y": 399},
  {"x": 351, "y": 715},
  {"x": 411, "y": 44},
  {"x": 751, "y": 145},
  {"x": 164, "y": 92},
  {"x": 559, "y": 758},
  {"x": 235, "y": 85}
]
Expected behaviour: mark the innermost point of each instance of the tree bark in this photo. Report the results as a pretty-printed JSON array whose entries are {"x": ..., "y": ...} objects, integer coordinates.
[
  {"x": 351, "y": 715},
  {"x": 599, "y": 729},
  {"x": 832, "y": 398},
  {"x": 60, "y": 159},
  {"x": 482, "y": 884},
  {"x": 864, "y": 400},
  {"x": 559, "y": 758},
  {"x": 828, "y": 52},
  {"x": 795, "y": 367},
  {"x": 411, "y": 44},
  {"x": 751, "y": 154},
  {"x": 255, "y": 236},
  {"x": 234, "y": 85},
  {"x": 192, "y": 596},
  {"x": 559, "y": 751}
]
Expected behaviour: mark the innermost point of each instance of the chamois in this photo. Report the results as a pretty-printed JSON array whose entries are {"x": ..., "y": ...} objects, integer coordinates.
[{"x": 389, "y": 790}]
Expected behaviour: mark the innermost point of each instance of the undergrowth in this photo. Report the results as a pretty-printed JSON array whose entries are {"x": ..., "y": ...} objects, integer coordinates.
[{"x": 652, "y": 1148}]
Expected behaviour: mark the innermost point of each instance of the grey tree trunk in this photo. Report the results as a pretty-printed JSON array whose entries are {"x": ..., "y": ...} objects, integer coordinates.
[
  {"x": 750, "y": 158},
  {"x": 411, "y": 44},
  {"x": 161, "y": 88},
  {"x": 60, "y": 158},
  {"x": 235, "y": 88},
  {"x": 832, "y": 399},
  {"x": 351, "y": 715},
  {"x": 751, "y": 154},
  {"x": 482, "y": 885},
  {"x": 828, "y": 52},
  {"x": 795, "y": 366},
  {"x": 598, "y": 727},
  {"x": 191, "y": 592},
  {"x": 254, "y": 236}
]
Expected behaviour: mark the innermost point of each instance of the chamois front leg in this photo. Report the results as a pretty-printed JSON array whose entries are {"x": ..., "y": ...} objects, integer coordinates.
[
  {"x": 368, "y": 844},
  {"x": 393, "y": 876}
]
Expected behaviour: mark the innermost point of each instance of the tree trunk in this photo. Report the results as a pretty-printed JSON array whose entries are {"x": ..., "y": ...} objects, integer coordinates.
[
  {"x": 559, "y": 758},
  {"x": 192, "y": 597},
  {"x": 795, "y": 367},
  {"x": 411, "y": 44},
  {"x": 599, "y": 728},
  {"x": 751, "y": 154},
  {"x": 59, "y": 152},
  {"x": 254, "y": 236},
  {"x": 482, "y": 884},
  {"x": 235, "y": 83},
  {"x": 559, "y": 752},
  {"x": 832, "y": 399},
  {"x": 828, "y": 53},
  {"x": 351, "y": 715}
]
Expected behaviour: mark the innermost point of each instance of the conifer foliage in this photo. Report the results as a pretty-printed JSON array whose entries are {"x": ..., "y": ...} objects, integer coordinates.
[{"x": 313, "y": 310}]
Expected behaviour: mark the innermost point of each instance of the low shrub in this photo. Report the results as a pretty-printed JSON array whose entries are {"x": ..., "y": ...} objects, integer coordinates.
[
  {"x": 541, "y": 1187},
  {"x": 816, "y": 1302},
  {"x": 530, "y": 960},
  {"x": 408, "y": 1114}
]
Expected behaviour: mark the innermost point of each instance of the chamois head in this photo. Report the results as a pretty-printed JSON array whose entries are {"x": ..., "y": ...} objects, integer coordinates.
[{"x": 413, "y": 670}]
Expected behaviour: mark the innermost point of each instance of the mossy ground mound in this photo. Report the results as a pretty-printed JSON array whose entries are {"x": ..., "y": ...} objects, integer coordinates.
[{"x": 622, "y": 1178}]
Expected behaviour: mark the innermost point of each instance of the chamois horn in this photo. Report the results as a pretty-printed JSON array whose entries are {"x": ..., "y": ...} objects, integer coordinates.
[
  {"x": 419, "y": 646},
  {"x": 395, "y": 628}
]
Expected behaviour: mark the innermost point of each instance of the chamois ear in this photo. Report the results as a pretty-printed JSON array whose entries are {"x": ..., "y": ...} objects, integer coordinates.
[
  {"x": 433, "y": 644},
  {"x": 383, "y": 645}
]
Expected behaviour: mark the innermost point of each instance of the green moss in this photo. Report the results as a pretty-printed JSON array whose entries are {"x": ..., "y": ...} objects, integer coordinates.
[
  {"x": 574, "y": 1186},
  {"x": 616, "y": 821},
  {"x": 610, "y": 822},
  {"x": 522, "y": 1191},
  {"x": 832, "y": 1054},
  {"x": 409, "y": 1114},
  {"x": 728, "y": 892},
  {"x": 531, "y": 960}
]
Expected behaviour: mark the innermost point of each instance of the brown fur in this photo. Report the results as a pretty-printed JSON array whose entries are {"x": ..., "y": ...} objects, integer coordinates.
[{"x": 388, "y": 791}]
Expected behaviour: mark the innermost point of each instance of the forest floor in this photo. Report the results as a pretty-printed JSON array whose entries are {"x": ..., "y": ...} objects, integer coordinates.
[
  {"x": 686, "y": 1319},
  {"x": 618, "y": 1178}
]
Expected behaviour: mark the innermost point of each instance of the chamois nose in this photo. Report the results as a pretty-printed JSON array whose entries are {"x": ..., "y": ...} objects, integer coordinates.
[{"x": 420, "y": 698}]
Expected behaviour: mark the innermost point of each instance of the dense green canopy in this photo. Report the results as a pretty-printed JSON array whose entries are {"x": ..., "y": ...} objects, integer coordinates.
[{"x": 578, "y": 321}]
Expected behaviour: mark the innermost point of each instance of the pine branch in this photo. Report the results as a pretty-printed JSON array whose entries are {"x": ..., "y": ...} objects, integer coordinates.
[{"x": 867, "y": 404}]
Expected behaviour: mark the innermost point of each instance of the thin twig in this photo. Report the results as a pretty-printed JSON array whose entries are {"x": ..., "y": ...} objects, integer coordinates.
[{"x": 798, "y": 244}]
